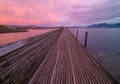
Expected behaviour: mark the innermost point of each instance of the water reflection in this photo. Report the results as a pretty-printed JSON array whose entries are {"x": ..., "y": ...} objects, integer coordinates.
[
  {"x": 99, "y": 38},
  {"x": 12, "y": 37},
  {"x": 104, "y": 43}
]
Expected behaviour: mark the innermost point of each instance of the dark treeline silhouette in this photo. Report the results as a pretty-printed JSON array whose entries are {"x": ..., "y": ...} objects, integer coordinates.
[{"x": 5, "y": 29}]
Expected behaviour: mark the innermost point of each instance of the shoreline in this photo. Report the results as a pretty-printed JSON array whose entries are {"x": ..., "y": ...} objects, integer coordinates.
[{"x": 3, "y": 32}]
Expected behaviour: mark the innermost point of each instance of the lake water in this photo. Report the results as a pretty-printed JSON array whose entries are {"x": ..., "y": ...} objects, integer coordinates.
[
  {"x": 104, "y": 43},
  {"x": 6, "y": 38}
]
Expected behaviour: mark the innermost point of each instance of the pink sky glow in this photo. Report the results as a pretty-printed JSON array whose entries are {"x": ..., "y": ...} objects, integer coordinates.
[{"x": 59, "y": 12}]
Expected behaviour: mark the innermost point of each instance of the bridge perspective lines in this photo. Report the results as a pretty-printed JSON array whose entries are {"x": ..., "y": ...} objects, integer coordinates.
[{"x": 56, "y": 57}]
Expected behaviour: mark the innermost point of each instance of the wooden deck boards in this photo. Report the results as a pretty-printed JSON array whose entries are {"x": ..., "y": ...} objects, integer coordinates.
[
  {"x": 18, "y": 66},
  {"x": 53, "y": 61}
]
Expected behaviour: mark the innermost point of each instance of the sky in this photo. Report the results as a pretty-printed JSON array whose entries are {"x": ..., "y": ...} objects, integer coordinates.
[{"x": 59, "y": 12}]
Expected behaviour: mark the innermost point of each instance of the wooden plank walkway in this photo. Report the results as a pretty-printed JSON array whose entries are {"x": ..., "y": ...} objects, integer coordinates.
[
  {"x": 18, "y": 66},
  {"x": 54, "y": 58}
]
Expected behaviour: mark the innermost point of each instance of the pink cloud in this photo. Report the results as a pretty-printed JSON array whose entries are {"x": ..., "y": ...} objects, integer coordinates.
[{"x": 58, "y": 12}]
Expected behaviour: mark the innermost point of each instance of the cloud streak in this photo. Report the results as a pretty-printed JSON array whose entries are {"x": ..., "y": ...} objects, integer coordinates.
[{"x": 59, "y": 12}]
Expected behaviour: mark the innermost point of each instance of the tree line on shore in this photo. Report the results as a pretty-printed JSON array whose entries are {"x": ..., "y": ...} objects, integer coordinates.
[{"x": 5, "y": 29}]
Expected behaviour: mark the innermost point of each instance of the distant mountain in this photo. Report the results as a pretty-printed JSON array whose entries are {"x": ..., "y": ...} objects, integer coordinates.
[
  {"x": 100, "y": 25},
  {"x": 104, "y": 25}
]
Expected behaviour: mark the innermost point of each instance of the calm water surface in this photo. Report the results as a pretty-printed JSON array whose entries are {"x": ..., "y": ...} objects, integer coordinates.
[
  {"x": 6, "y": 38},
  {"x": 104, "y": 43},
  {"x": 101, "y": 38}
]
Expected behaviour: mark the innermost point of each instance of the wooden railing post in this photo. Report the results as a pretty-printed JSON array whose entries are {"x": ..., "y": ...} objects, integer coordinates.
[
  {"x": 77, "y": 34},
  {"x": 73, "y": 31},
  {"x": 86, "y": 36}
]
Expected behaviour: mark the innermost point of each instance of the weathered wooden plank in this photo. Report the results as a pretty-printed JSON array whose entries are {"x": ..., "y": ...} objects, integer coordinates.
[
  {"x": 22, "y": 65},
  {"x": 70, "y": 63},
  {"x": 56, "y": 58}
]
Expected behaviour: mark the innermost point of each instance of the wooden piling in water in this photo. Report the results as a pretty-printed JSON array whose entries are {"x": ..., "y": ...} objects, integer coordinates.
[
  {"x": 86, "y": 37},
  {"x": 54, "y": 58},
  {"x": 73, "y": 31},
  {"x": 77, "y": 34}
]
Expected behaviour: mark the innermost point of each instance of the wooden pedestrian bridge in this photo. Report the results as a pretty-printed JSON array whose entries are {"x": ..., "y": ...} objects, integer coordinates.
[{"x": 55, "y": 57}]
